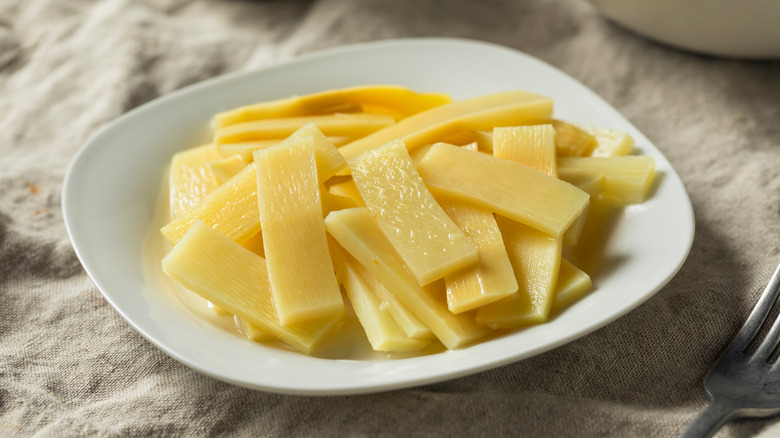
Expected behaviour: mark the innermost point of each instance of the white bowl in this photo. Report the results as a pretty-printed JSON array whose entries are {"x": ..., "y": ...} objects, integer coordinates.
[{"x": 743, "y": 29}]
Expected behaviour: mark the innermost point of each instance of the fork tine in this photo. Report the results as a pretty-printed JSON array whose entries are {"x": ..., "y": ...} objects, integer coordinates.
[
  {"x": 770, "y": 341},
  {"x": 757, "y": 317}
]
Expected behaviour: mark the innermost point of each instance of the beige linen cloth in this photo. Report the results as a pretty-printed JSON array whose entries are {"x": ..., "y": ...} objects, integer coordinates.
[{"x": 70, "y": 366}]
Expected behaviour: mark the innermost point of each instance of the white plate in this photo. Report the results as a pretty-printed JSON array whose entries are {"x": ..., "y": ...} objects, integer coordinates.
[{"x": 111, "y": 191}]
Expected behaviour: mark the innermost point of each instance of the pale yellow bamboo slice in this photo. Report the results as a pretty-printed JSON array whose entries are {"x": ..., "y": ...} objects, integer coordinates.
[
  {"x": 329, "y": 159},
  {"x": 492, "y": 278},
  {"x": 534, "y": 256},
  {"x": 300, "y": 270},
  {"x": 536, "y": 261},
  {"x": 246, "y": 149},
  {"x": 410, "y": 324},
  {"x": 227, "y": 168},
  {"x": 359, "y": 235},
  {"x": 478, "y": 113},
  {"x": 610, "y": 142},
  {"x": 390, "y": 98},
  {"x": 532, "y": 146},
  {"x": 381, "y": 329},
  {"x": 427, "y": 240},
  {"x": 232, "y": 208},
  {"x": 572, "y": 141},
  {"x": 234, "y": 278},
  {"x": 626, "y": 179},
  {"x": 573, "y": 283},
  {"x": 190, "y": 180},
  {"x": 338, "y": 125},
  {"x": 504, "y": 187}
]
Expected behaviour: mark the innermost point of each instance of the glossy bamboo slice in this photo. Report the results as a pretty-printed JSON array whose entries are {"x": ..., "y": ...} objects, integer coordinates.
[
  {"x": 300, "y": 269},
  {"x": 502, "y": 186},
  {"x": 609, "y": 142},
  {"x": 626, "y": 179},
  {"x": 381, "y": 329},
  {"x": 427, "y": 240},
  {"x": 492, "y": 278},
  {"x": 572, "y": 141},
  {"x": 410, "y": 324},
  {"x": 231, "y": 209},
  {"x": 190, "y": 180}
]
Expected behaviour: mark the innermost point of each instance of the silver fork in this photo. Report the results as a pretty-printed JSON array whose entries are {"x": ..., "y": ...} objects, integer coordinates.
[{"x": 742, "y": 384}]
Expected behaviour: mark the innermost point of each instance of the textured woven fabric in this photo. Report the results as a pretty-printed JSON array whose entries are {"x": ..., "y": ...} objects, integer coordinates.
[{"x": 70, "y": 366}]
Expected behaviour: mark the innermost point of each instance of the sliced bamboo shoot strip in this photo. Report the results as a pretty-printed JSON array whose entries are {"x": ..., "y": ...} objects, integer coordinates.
[
  {"x": 190, "y": 180},
  {"x": 349, "y": 125},
  {"x": 236, "y": 279},
  {"x": 536, "y": 259},
  {"x": 300, "y": 269},
  {"x": 391, "y": 98},
  {"x": 502, "y": 186},
  {"x": 572, "y": 141},
  {"x": 492, "y": 278},
  {"x": 359, "y": 235},
  {"x": 626, "y": 179},
  {"x": 426, "y": 239},
  {"x": 532, "y": 146},
  {"x": 381, "y": 329},
  {"x": 478, "y": 113},
  {"x": 610, "y": 142},
  {"x": 413, "y": 327},
  {"x": 231, "y": 209}
]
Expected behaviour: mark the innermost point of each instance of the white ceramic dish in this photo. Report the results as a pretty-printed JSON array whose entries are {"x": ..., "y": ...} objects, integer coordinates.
[{"x": 111, "y": 189}]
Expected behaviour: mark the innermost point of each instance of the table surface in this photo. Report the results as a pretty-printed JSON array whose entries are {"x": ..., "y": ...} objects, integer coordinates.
[{"x": 70, "y": 366}]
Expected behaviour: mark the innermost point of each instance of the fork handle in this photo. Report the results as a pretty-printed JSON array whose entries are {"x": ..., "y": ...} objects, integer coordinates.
[{"x": 709, "y": 420}]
